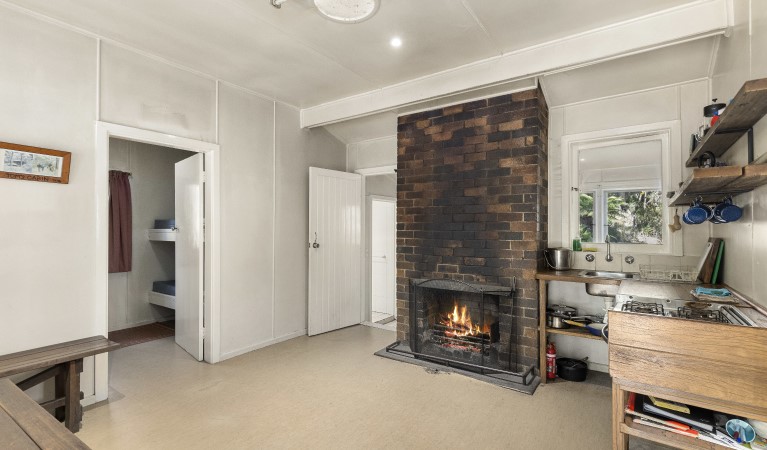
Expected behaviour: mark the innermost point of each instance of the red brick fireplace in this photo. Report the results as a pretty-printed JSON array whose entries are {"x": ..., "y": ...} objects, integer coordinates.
[{"x": 471, "y": 203}]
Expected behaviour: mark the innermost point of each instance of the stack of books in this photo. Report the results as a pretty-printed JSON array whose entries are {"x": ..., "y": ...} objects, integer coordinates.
[{"x": 677, "y": 418}]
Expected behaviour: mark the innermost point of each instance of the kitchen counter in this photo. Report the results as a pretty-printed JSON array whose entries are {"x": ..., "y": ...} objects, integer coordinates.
[{"x": 572, "y": 275}]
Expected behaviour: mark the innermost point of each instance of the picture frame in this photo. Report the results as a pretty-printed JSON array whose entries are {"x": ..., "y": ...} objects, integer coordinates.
[{"x": 24, "y": 162}]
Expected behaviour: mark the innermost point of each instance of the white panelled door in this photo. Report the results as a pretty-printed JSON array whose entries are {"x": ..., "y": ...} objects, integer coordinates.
[
  {"x": 335, "y": 250},
  {"x": 382, "y": 252},
  {"x": 190, "y": 254}
]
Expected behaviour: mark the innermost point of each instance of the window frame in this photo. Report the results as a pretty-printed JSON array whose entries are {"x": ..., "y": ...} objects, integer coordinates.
[{"x": 668, "y": 134}]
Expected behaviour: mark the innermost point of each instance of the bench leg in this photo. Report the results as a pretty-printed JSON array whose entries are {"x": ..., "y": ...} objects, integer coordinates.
[{"x": 68, "y": 387}]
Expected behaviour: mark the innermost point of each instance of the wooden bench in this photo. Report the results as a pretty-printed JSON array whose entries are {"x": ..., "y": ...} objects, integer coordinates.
[
  {"x": 26, "y": 425},
  {"x": 64, "y": 362}
]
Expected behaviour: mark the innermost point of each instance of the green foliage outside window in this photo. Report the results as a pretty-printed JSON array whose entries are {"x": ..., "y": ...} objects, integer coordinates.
[{"x": 633, "y": 217}]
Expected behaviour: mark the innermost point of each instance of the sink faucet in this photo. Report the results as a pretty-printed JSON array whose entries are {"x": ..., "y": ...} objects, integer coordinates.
[{"x": 609, "y": 256}]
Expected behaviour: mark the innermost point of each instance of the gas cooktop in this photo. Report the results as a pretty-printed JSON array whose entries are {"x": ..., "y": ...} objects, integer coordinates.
[{"x": 683, "y": 309}]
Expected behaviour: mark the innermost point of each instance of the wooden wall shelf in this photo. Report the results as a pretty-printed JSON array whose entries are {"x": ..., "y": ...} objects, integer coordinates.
[
  {"x": 577, "y": 332},
  {"x": 715, "y": 183},
  {"x": 746, "y": 109}
]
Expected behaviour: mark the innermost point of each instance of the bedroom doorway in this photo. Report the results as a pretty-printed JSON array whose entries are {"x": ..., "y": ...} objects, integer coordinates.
[{"x": 201, "y": 320}]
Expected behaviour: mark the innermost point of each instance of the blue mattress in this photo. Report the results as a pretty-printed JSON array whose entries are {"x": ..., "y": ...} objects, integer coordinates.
[
  {"x": 165, "y": 287},
  {"x": 165, "y": 224}
]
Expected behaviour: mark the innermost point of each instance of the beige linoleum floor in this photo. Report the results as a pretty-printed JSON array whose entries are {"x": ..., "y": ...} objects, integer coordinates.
[{"x": 330, "y": 391}]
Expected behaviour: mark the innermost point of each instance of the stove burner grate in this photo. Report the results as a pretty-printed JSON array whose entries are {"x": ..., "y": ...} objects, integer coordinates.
[
  {"x": 644, "y": 308},
  {"x": 706, "y": 315}
]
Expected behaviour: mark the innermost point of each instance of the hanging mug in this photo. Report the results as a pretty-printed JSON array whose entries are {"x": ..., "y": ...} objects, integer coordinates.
[
  {"x": 726, "y": 212},
  {"x": 698, "y": 213}
]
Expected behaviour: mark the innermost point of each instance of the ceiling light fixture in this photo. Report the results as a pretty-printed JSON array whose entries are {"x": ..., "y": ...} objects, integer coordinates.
[
  {"x": 347, "y": 11},
  {"x": 396, "y": 42},
  {"x": 278, "y": 3}
]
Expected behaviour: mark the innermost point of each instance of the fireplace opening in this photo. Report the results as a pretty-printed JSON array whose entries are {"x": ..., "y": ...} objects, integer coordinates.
[
  {"x": 461, "y": 326},
  {"x": 465, "y": 325}
]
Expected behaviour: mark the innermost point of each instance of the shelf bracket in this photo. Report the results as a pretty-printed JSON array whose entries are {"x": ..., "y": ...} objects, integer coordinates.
[{"x": 750, "y": 139}]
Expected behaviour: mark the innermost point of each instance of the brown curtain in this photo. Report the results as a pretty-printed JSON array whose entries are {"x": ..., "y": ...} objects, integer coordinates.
[{"x": 120, "y": 222}]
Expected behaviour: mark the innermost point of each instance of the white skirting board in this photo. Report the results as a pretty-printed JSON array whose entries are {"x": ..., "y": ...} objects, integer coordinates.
[
  {"x": 159, "y": 299},
  {"x": 253, "y": 347}
]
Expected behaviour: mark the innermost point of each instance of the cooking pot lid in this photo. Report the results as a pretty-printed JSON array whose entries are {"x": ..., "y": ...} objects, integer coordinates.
[{"x": 562, "y": 308}]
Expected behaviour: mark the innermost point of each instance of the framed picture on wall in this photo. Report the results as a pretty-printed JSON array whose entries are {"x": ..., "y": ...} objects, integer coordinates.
[{"x": 22, "y": 162}]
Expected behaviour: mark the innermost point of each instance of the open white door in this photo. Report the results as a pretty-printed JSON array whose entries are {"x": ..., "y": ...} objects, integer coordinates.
[
  {"x": 189, "y": 254},
  {"x": 382, "y": 246},
  {"x": 335, "y": 250}
]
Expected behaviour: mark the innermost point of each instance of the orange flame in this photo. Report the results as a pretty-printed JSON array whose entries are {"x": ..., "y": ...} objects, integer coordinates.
[{"x": 460, "y": 323}]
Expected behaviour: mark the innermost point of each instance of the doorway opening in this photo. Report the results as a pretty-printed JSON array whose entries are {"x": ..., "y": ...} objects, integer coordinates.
[
  {"x": 203, "y": 328},
  {"x": 142, "y": 298},
  {"x": 383, "y": 239},
  {"x": 380, "y": 190}
]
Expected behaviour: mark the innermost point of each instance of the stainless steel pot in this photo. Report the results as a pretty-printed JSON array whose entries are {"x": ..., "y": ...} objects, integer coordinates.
[
  {"x": 557, "y": 314},
  {"x": 558, "y": 258},
  {"x": 556, "y": 321}
]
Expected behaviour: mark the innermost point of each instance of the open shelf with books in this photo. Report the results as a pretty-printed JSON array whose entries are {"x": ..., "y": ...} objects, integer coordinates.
[
  {"x": 630, "y": 427},
  {"x": 674, "y": 423}
]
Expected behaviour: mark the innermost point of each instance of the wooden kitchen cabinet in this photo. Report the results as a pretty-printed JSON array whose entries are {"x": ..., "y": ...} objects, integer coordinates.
[{"x": 721, "y": 367}]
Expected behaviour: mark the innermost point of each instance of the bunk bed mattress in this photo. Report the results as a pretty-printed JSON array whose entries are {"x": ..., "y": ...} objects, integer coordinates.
[
  {"x": 165, "y": 224},
  {"x": 165, "y": 287}
]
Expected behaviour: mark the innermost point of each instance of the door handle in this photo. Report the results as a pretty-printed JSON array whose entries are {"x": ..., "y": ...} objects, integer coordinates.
[{"x": 315, "y": 244}]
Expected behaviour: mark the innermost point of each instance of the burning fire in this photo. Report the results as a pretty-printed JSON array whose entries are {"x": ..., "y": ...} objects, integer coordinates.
[{"x": 459, "y": 323}]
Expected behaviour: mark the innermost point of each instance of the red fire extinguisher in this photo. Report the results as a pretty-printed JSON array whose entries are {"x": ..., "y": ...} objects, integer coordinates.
[{"x": 551, "y": 361}]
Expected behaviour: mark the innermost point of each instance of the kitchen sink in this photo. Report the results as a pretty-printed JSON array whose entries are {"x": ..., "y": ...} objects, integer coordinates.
[
  {"x": 604, "y": 274},
  {"x": 604, "y": 290}
]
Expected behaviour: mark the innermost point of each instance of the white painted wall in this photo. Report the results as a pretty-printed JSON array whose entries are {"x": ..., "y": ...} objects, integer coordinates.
[
  {"x": 46, "y": 230},
  {"x": 51, "y": 97},
  {"x": 383, "y": 185},
  {"x": 296, "y": 151},
  {"x": 741, "y": 58},
  {"x": 246, "y": 136},
  {"x": 682, "y": 102},
  {"x": 372, "y": 153},
  {"x": 47, "y": 241},
  {"x": 152, "y": 196}
]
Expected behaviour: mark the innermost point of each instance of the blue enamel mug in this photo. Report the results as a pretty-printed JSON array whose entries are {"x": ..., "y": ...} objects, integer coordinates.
[
  {"x": 698, "y": 213},
  {"x": 726, "y": 212}
]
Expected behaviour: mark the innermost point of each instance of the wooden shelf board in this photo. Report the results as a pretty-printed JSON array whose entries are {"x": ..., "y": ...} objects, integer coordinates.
[
  {"x": 715, "y": 183},
  {"x": 713, "y": 179},
  {"x": 754, "y": 175},
  {"x": 577, "y": 332},
  {"x": 748, "y": 106},
  {"x": 666, "y": 437}
]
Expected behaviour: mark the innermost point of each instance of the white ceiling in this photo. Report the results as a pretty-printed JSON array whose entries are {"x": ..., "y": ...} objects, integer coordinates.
[{"x": 294, "y": 55}]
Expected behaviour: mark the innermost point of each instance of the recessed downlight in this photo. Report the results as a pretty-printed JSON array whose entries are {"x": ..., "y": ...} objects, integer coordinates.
[{"x": 395, "y": 42}]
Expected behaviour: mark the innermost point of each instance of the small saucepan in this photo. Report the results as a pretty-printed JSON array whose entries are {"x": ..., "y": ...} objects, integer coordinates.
[
  {"x": 554, "y": 320},
  {"x": 556, "y": 315}
]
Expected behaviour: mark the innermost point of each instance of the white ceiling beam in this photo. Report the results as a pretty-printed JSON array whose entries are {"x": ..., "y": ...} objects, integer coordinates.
[{"x": 691, "y": 21}]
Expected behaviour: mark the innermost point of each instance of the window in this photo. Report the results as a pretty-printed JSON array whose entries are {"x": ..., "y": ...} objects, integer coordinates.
[
  {"x": 616, "y": 188},
  {"x": 627, "y": 216}
]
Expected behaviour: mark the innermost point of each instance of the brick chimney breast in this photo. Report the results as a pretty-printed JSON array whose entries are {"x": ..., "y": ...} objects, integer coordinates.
[{"x": 472, "y": 187}]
